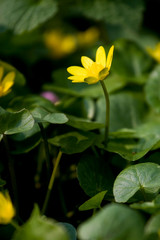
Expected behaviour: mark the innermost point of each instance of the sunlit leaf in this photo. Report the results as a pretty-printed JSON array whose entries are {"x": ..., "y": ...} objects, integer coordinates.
[
  {"x": 142, "y": 178},
  {"x": 94, "y": 202}
]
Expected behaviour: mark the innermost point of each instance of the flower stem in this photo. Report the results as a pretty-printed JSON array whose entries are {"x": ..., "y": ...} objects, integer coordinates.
[
  {"x": 51, "y": 182},
  {"x": 107, "y": 112},
  {"x": 12, "y": 174},
  {"x": 44, "y": 137}
]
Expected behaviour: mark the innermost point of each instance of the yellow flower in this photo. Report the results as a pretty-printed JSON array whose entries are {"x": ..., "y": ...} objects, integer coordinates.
[
  {"x": 155, "y": 53},
  {"x": 88, "y": 37},
  {"x": 60, "y": 44},
  {"x": 92, "y": 72},
  {"x": 7, "y": 211},
  {"x": 6, "y": 82}
]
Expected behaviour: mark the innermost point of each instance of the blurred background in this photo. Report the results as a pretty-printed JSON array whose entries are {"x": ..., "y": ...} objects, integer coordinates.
[{"x": 42, "y": 38}]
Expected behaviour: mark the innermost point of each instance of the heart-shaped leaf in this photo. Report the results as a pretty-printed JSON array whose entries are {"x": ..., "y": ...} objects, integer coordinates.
[{"x": 142, "y": 177}]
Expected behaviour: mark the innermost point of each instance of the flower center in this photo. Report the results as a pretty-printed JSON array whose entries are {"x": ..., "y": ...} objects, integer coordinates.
[{"x": 94, "y": 70}]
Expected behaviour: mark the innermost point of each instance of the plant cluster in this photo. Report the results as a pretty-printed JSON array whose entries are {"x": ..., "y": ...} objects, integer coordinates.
[{"x": 79, "y": 121}]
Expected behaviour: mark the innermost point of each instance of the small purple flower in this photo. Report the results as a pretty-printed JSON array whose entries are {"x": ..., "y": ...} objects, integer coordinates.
[{"x": 50, "y": 96}]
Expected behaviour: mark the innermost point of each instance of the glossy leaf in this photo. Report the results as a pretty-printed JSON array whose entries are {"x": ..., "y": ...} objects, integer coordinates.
[
  {"x": 15, "y": 122},
  {"x": 25, "y": 15},
  {"x": 113, "y": 222},
  {"x": 42, "y": 115},
  {"x": 94, "y": 202},
  {"x": 143, "y": 177}
]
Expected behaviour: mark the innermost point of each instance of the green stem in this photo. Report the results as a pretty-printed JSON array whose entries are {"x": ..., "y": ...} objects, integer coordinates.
[
  {"x": 44, "y": 137},
  {"x": 12, "y": 174},
  {"x": 107, "y": 112},
  {"x": 51, "y": 182}
]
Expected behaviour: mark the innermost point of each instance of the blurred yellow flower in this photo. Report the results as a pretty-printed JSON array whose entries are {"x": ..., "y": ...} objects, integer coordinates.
[
  {"x": 88, "y": 37},
  {"x": 92, "y": 72},
  {"x": 7, "y": 211},
  {"x": 155, "y": 53},
  {"x": 6, "y": 82},
  {"x": 59, "y": 44}
]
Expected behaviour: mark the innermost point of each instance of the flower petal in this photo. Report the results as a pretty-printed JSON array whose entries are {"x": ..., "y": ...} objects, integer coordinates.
[
  {"x": 1, "y": 73},
  {"x": 79, "y": 71},
  {"x": 86, "y": 62},
  {"x": 109, "y": 58},
  {"x": 8, "y": 81},
  {"x": 91, "y": 80},
  {"x": 101, "y": 56},
  {"x": 76, "y": 78}
]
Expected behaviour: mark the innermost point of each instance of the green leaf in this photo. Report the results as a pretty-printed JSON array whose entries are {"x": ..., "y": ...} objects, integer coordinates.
[
  {"x": 152, "y": 89},
  {"x": 73, "y": 142},
  {"x": 83, "y": 124},
  {"x": 126, "y": 110},
  {"x": 40, "y": 228},
  {"x": 42, "y": 115},
  {"x": 133, "y": 144},
  {"x": 142, "y": 178},
  {"x": 94, "y": 175},
  {"x": 15, "y": 122},
  {"x": 23, "y": 142},
  {"x": 132, "y": 64},
  {"x": 127, "y": 14},
  {"x": 113, "y": 222},
  {"x": 149, "y": 207},
  {"x": 152, "y": 227},
  {"x": 94, "y": 202},
  {"x": 25, "y": 15}
]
